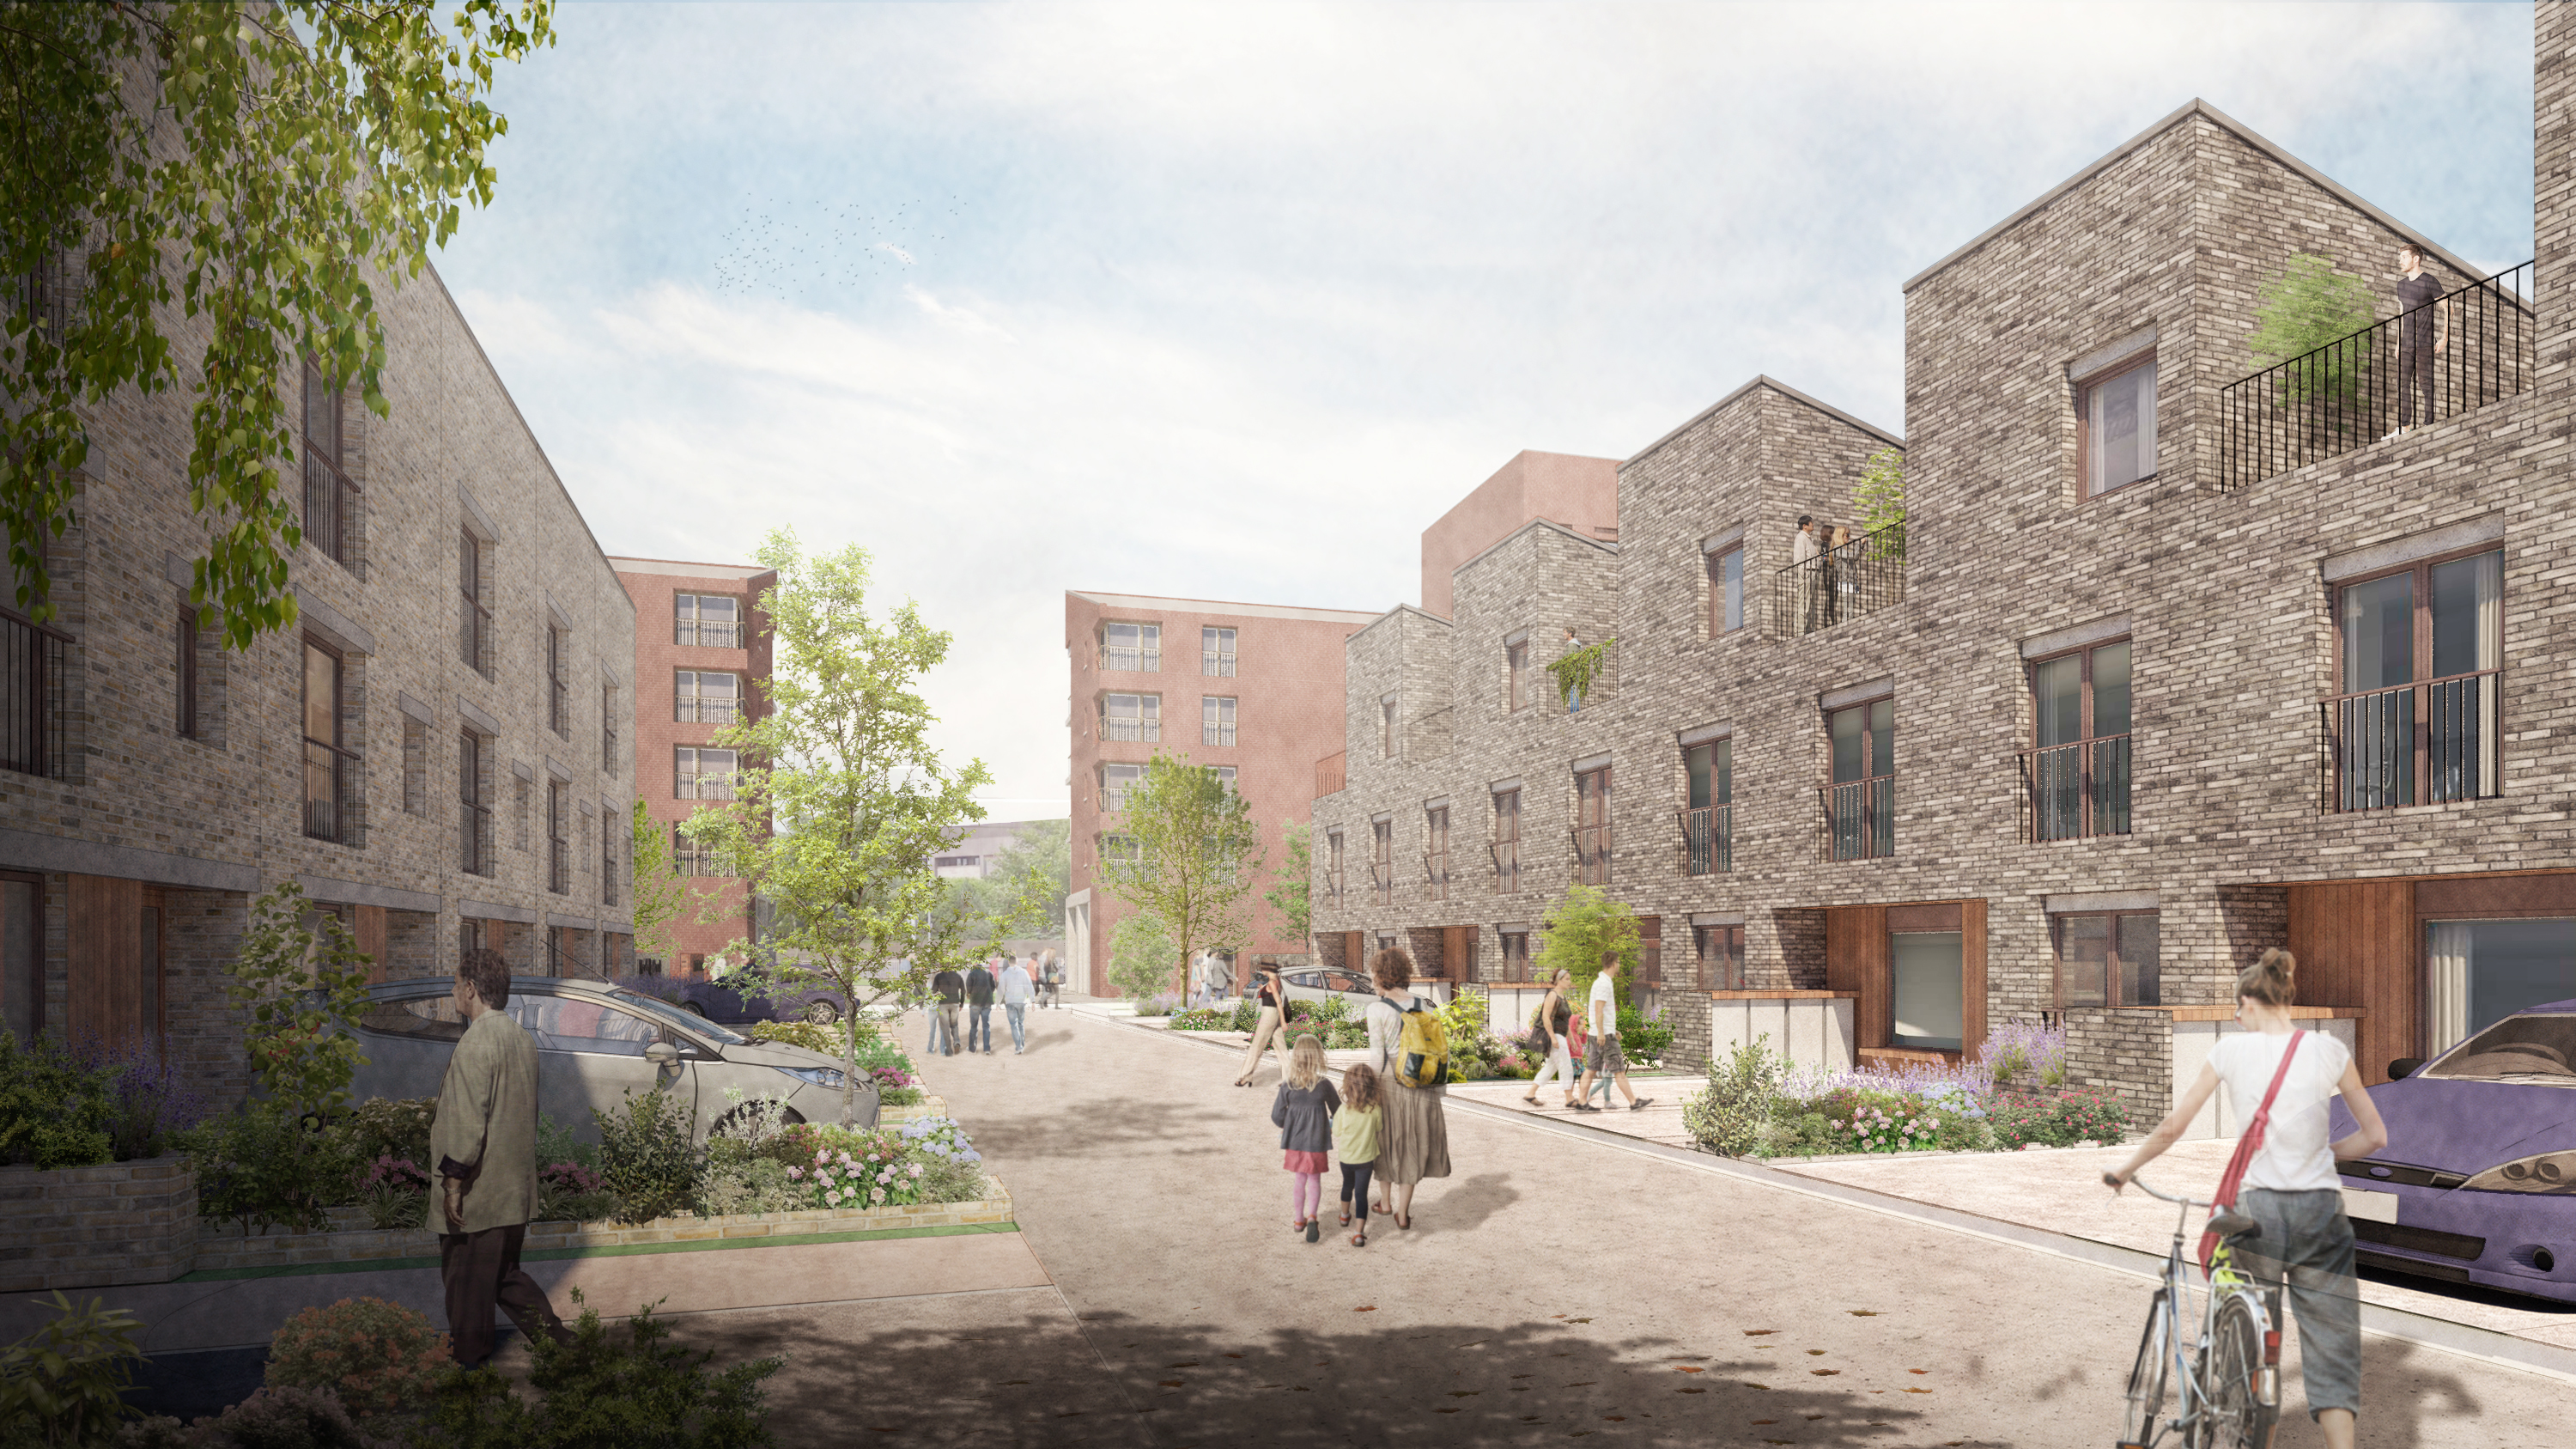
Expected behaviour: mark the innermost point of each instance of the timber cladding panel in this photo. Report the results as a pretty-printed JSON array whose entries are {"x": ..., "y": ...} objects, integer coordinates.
[
  {"x": 2357, "y": 945},
  {"x": 105, "y": 992}
]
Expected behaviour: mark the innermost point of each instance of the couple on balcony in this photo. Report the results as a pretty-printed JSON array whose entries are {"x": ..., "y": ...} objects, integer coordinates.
[{"x": 1815, "y": 554}]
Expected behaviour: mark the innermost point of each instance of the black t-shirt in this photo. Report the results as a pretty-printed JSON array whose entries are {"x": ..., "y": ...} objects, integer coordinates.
[
  {"x": 979, "y": 987},
  {"x": 2413, "y": 292},
  {"x": 950, "y": 986}
]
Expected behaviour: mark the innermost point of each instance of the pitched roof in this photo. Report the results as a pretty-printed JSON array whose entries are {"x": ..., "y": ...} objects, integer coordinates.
[{"x": 1785, "y": 390}]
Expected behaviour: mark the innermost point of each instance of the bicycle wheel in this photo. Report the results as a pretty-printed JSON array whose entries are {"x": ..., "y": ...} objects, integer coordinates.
[
  {"x": 2231, "y": 1375},
  {"x": 2150, "y": 1390}
]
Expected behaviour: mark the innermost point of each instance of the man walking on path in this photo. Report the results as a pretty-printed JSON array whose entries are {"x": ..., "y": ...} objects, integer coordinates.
[
  {"x": 1018, "y": 989},
  {"x": 950, "y": 988},
  {"x": 484, "y": 1140},
  {"x": 979, "y": 1007},
  {"x": 1602, "y": 1053}
]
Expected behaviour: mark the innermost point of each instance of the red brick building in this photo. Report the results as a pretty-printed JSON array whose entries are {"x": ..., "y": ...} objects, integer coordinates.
[{"x": 698, "y": 654}]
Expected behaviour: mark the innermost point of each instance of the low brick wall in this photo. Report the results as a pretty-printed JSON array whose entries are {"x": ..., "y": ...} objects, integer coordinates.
[
  {"x": 2125, "y": 1053},
  {"x": 92, "y": 1227},
  {"x": 220, "y": 1246}
]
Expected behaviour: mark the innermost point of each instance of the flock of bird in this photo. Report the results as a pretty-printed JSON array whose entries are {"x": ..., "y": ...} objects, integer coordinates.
[{"x": 787, "y": 253}]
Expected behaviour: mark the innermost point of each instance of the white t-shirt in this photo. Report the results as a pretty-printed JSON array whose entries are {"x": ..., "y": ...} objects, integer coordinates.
[
  {"x": 1605, "y": 1005},
  {"x": 2296, "y": 1155}
]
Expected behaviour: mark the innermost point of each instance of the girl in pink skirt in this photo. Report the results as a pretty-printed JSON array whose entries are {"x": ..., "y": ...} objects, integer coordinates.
[{"x": 1303, "y": 1112}]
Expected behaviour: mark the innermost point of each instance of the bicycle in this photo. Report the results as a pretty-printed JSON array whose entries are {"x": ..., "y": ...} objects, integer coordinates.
[{"x": 2223, "y": 1389}]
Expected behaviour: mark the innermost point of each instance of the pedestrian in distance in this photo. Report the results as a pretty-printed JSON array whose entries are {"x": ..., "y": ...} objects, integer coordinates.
[
  {"x": 1017, "y": 991},
  {"x": 979, "y": 1007},
  {"x": 484, "y": 1142},
  {"x": 1050, "y": 976},
  {"x": 1357, "y": 1129},
  {"x": 1415, "y": 1138},
  {"x": 950, "y": 988},
  {"x": 1550, "y": 1021},
  {"x": 2290, "y": 1186},
  {"x": 1602, "y": 1056},
  {"x": 1303, "y": 1113},
  {"x": 1270, "y": 1028}
]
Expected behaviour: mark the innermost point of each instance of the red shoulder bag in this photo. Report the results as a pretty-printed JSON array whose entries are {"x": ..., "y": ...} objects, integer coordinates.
[{"x": 2224, "y": 1200}]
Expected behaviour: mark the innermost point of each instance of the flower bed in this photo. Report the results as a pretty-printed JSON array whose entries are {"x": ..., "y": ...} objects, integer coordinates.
[
  {"x": 87, "y": 1227},
  {"x": 2011, "y": 1097}
]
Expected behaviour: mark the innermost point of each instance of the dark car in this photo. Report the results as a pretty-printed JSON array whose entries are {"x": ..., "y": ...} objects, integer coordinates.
[
  {"x": 2478, "y": 1182},
  {"x": 742, "y": 997}
]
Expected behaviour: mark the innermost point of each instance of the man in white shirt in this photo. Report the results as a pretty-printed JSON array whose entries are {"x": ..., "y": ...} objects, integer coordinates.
[
  {"x": 1018, "y": 987},
  {"x": 1602, "y": 1053}
]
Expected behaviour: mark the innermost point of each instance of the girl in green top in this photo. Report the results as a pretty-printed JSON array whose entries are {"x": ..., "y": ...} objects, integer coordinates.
[{"x": 1355, "y": 1133}]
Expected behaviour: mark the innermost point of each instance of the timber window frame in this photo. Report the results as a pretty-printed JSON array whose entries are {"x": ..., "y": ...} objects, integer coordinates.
[
  {"x": 2076, "y": 768},
  {"x": 1725, "y": 589},
  {"x": 2435, "y": 736},
  {"x": 332, "y": 772},
  {"x": 1592, "y": 842},
  {"x": 1506, "y": 847},
  {"x": 2115, "y": 409},
  {"x": 1435, "y": 854},
  {"x": 2129, "y": 970}
]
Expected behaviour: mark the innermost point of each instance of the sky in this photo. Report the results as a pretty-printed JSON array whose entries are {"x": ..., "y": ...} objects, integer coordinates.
[{"x": 1231, "y": 301}]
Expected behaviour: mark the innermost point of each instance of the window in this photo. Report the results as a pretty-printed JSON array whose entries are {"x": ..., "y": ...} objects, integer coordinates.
[
  {"x": 1435, "y": 855},
  {"x": 1516, "y": 956},
  {"x": 2078, "y": 777},
  {"x": 2107, "y": 959},
  {"x": 1507, "y": 841},
  {"x": 1115, "y": 782},
  {"x": 608, "y": 729},
  {"x": 2116, "y": 428},
  {"x": 519, "y": 811},
  {"x": 694, "y": 858},
  {"x": 1592, "y": 826},
  {"x": 186, "y": 641},
  {"x": 558, "y": 682},
  {"x": 1135, "y": 718},
  {"x": 1216, "y": 651},
  {"x": 1225, "y": 774},
  {"x": 1382, "y": 860},
  {"x": 702, "y": 697},
  {"x": 607, "y": 855},
  {"x": 473, "y": 620},
  {"x": 1137, "y": 647},
  {"x": 1333, "y": 866},
  {"x": 22, "y": 956},
  {"x": 330, "y": 499},
  {"x": 1926, "y": 966},
  {"x": 474, "y": 812},
  {"x": 1386, "y": 727},
  {"x": 1216, "y": 721},
  {"x": 328, "y": 771},
  {"x": 1708, "y": 819},
  {"x": 415, "y": 756},
  {"x": 2477, "y": 973},
  {"x": 1726, "y": 590},
  {"x": 558, "y": 837},
  {"x": 2420, "y": 654},
  {"x": 1516, "y": 672},
  {"x": 704, "y": 774},
  {"x": 1121, "y": 847},
  {"x": 1721, "y": 956},
  {"x": 1860, "y": 804},
  {"x": 707, "y": 621}
]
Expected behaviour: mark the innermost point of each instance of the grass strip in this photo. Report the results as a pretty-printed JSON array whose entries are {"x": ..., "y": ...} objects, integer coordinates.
[{"x": 604, "y": 1250}]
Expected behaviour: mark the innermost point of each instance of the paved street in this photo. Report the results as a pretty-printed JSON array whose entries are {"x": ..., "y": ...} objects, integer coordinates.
[{"x": 1554, "y": 1288}]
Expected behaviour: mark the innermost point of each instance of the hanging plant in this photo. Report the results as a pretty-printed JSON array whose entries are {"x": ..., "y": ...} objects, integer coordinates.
[{"x": 1576, "y": 671}]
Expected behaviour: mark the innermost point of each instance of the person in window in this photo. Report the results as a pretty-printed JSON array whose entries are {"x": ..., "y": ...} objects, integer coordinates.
[
  {"x": 2421, "y": 336},
  {"x": 1802, "y": 551},
  {"x": 484, "y": 1140}
]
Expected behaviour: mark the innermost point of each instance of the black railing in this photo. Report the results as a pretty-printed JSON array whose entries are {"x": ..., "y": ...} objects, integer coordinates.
[
  {"x": 330, "y": 509},
  {"x": 1141, "y": 661},
  {"x": 1840, "y": 584},
  {"x": 1859, "y": 819},
  {"x": 32, "y": 709},
  {"x": 2358, "y": 389},
  {"x": 1708, "y": 839},
  {"x": 2074, "y": 790},
  {"x": 2411, "y": 744},
  {"x": 559, "y": 865},
  {"x": 327, "y": 775}
]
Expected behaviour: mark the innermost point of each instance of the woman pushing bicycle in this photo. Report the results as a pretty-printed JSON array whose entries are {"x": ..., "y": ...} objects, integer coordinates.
[{"x": 2286, "y": 1078}]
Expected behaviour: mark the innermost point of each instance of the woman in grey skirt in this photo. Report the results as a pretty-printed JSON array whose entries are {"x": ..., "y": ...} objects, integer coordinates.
[{"x": 1415, "y": 1144}]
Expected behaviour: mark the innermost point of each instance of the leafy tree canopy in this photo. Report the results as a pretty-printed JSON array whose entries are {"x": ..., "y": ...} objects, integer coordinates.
[
  {"x": 1294, "y": 897},
  {"x": 660, "y": 898},
  {"x": 1587, "y": 931},
  {"x": 1188, "y": 854},
  {"x": 2305, "y": 306}
]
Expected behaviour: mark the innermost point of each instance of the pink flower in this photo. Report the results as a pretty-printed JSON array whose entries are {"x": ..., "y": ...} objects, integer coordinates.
[{"x": 795, "y": 1173}]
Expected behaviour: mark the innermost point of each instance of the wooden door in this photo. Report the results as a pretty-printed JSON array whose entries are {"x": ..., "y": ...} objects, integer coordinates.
[
  {"x": 372, "y": 936},
  {"x": 1972, "y": 978},
  {"x": 105, "y": 997},
  {"x": 1858, "y": 959},
  {"x": 2356, "y": 944}
]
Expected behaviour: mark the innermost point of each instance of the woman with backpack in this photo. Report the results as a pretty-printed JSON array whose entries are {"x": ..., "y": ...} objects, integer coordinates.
[
  {"x": 1553, "y": 1017},
  {"x": 1414, "y": 1143}
]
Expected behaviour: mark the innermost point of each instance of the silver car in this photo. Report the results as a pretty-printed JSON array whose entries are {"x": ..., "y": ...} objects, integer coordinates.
[{"x": 595, "y": 1043}]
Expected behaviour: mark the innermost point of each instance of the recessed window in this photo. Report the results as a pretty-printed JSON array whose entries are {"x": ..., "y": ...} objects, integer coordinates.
[
  {"x": 1708, "y": 814},
  {"x": 186, "y": 644},
  {"x": 707, "y": 621},
  {"x": 1860, "y": 804},
  {"x": 1216, "y": 721},
  {"x": 473, "y": 620},
  {"x": 1134, "y": 647},
  {"x": 1721, "y": 956},
  {"x": 1386, "y": 727},
  {"x": 2078, "y": 774},
  {"x": 608, "y": 729},
  {"x": 330, "y": 499},
  {"x": 474, "y": 804},
  {"x": 1516, "y": 672},
  {"x": 701, "y": 696},
  {"x": 702, "y": 774},
  {"x": 329, "y": 769},
  {"x": 558, "y": 838},
  {"x": 2107, "y": 958},
  {"x": 1134, "y": 718},
  {"x": 1507, "y": 841},
  {"x": 1516, "y": 955},
  {"x": 559, "y": 681},
  {"x": 2118, "y": 427},
  {"x": 1435, "y": 855},
  {"x": 1115, "y": 782},
  {"x": 1592, "y": 825},
  {"x": 1334, "y": 865},
  {"x": 1726, "y": 590},
  {"x": 1382, "y": 860},
  {"x": 1216, "y": 651},
  {"x": 2419, "y": 655}
]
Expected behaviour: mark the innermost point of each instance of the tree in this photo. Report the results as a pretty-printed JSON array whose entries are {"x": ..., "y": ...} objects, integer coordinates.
[
  {"x": 1881, "y": 501},
  {"x": 1140, "y": 956},
  {"x": 257, "y": 163},
  {"x": 1188, "y": 854},
  {"x": 2308, "y": 306},
  {"x": 842, "y": 806},
  {"x": 1294, "y": 897},
  {"x": 1022, "y": 892},
  {"x": 1587, "y": 931},
  {"x": 659, "y": 896}
]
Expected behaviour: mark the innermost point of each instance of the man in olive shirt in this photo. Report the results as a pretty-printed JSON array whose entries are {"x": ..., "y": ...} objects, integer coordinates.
[{"x": 484, "y": 1142}]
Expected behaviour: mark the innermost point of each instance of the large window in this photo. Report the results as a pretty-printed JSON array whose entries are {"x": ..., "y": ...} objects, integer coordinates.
[
  {"x": 1726, "y": 590},
  {"x": 1334, "y": 865},
  {"x": 2477, "y": 973},
  {"x": 1115, "y": 782},
  {"x": 559, "y": 681},
  {"x": 1435, "y": 853},
  {"x": 473, "y": 620},
  {"x": 1133, "y": 718},
  {"x": 558, "y": 837},
  {"x": 1216, "y": 721},
  {"x": 1137, "y": 647},
  {"x": 1721, "y": 956},
  {"x": 1382, "y": 860},
  {"x": 1927, "y": 966},
  {"x": 474, "y": 804},
  {"x": 707, "y": 621},
  {"x": 331, "y": 511},
  {"x": 701, "y": 696},
  {"x": 703, "y": 774},
  {"x": 1507, "y": 841},
  {"x": 1708, "y": 817},
  {"x": 1516, "y": 956},
  {"x": 2078, "y": 776},
  {"x": 1860, "y": 804},
  {"x": 1592, "y": 825},
  {"x": 1516, "y": 673},
  {"x": 2420, "y": 654},
  {"x": 2117, "y": 424},
  {"x": 329, "y": 773},
  {"x": 2107, "y": 959},
  {"x": 1216, "y": 651}
]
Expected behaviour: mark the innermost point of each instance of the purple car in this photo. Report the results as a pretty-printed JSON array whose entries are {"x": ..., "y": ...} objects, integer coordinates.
[
  {"x": 2478, "y": 1182},
  {"x": 740, "y": 998}
]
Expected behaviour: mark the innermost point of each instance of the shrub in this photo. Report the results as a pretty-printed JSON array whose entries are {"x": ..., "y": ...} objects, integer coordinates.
[
  {"x": 378, "y": 1357},
  {"x": 749, "y": 1185},
  {"x": 396, "y": 1127},
  {"x": 2059, "y": 1121},
  {"x": 303, "y": 992},
  {"x": 271, "y": 1418},
  {"x": 630, "y": 1390},
  {"x": 829, "y": 1040},
  {"x": 65, "y": 1382},
  {"x": 646, "y": 1155},
  {"x": 149, "y": 1101},
  {"x": 1203, "y": 1018},
  {"x": 1144, "y": 960},
  {"x": 1641, "y": 1040},
  {"x": 2025, "y": 1053},
  {"x": 260, "y": 1166},
  {"x": 1247, "y": 1015},
  {"x": 54, "y": 1111},
  {"x": 1730, "y": 1116},
  {"x": 555, "y": 1143},
  {"x": 395, "y": 1192}
]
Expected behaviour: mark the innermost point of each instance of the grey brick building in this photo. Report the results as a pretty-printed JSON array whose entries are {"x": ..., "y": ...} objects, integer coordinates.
[
  {"x": 2169, "y": 666},
  {"x": 440, "y": 750}
]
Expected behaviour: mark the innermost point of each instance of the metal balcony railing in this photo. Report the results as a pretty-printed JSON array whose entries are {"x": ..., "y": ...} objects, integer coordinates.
[
  {"x": 1139, "y": 661},
  {"x": 327, "y": 778},
  {"x": 705, "y": 635},
  {"x": 32, "y": 709},
  {"x": 2411, "y": 744},
  {"x": 1215, "y": 734},
  {"x": 1859, "y": 819},
  {"x": 1218, "y": 664},
  {"x": 1134, "y": 731},
  {"x": 330, "y": 509},
  {"x": 2354, "y": 391},
  {"x": 1708, "y": 838},
  {"x": 1840, "y": 584},
  {"x": 1329, "y": 776},
  {"x": 698, "y": 709},
  {"x": 2074, "y": 790}
]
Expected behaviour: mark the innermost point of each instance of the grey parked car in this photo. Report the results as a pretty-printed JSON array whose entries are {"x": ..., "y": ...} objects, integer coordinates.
[{"x": 595, "y": 1043}]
